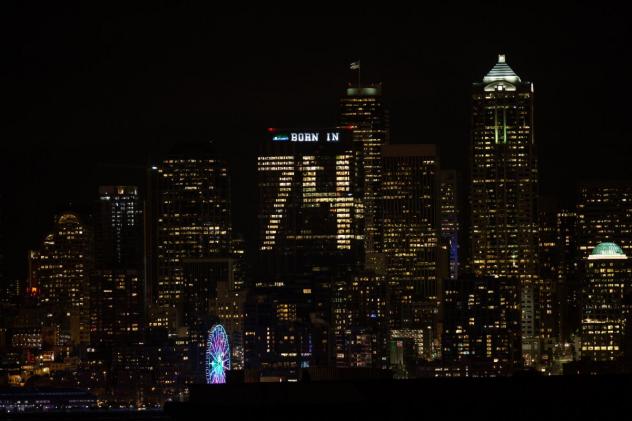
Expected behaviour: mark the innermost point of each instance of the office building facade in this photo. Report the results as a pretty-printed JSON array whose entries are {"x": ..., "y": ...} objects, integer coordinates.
[
  {"x": 481, "y": 321},
  {"x": 117, "y": 282},
  {"x": 193, "y": 217},
  {"x": 409, "y": 208},
  {"x": 363, "y": 109},
  {"x": 605, "y": 311},
  {"x": 604, "y": 214},
  {"x": 449, "y": 218},
  {"x": 60, "y": 271},
  {"x": 503, "y": 189},
  {"x": 310, "y": 242}
]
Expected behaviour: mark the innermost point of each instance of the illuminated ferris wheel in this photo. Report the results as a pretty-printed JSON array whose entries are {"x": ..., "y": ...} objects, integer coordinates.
[{"x": 217, "y": 355}]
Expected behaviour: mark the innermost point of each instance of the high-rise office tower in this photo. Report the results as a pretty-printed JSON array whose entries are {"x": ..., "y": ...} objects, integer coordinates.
[
  {"x": 60, "y": 270},
  {"x": 547, "y": 319},
  {"x": 310, "y": 241},
  {"x": 504, "y": 179},
  {"x": 116, "y": 284},
  {"x": 449, "y": 218},
  {"x": 608, "y": 279},
  {"x": 568, "y": 275},
  {"x": 604, "y": 213},
  {"x": 118, "y": 228},
  {"x": 193, "y": 217},
  {"x": 363, "y": 109},
  {"x": 151, "y": 210},
  {"x": 482, "y": 323},
  {"x": 409, "y": 208}
]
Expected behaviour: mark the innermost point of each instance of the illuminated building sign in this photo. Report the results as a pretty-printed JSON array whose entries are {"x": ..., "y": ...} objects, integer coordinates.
[
  {"x": 326, "y": 136},
  {"x": 303, "y": 172}
]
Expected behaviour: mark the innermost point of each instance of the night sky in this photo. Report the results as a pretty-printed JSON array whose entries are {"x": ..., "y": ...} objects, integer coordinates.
[{"x": 95, "y": 95}]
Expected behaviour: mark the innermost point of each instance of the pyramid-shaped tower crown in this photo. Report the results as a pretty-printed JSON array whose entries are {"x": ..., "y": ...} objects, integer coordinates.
[{"x": 501, "y": 71}]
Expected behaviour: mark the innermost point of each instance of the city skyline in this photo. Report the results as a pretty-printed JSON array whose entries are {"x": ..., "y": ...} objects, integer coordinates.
[
  {"x": 192, "y": 199},
  {"x": 136, "y": 108}
]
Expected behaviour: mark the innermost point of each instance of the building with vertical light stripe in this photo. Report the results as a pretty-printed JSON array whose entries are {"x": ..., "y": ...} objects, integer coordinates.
[{"x": 504, "y": 185}]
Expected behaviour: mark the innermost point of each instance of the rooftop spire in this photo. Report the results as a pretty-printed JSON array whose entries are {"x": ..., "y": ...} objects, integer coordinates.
[{"x": 501, "y": 71}]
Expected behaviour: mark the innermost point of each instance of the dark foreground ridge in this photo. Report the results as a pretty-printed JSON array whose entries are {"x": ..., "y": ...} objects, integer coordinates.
[{"x": 522, "y": 397}]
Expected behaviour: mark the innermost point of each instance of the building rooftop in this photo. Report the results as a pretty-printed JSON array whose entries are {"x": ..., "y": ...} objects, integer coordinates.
[
  {"x": 607, "y": 251},
  {"x": 501, "y": 72},
  {"x": 369, "y": 90}
]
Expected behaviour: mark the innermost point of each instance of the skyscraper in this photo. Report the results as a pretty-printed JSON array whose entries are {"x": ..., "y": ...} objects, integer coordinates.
[
  {"x": 60, "y": 270},
  {"x": 193, "y": 217},
  {"x": 609, "y": 278},
  {"x": 548, "y": 243},
  {"x": 116, "y": 284},
  {"x": 310, "y": 240},
  {"x": 363, "y": 109},
  {"x": 568, "y": 275},
  {"x": 118, "y": 230},
  {"x": 504, "y": 180},
  {"x": 548, "y": 317},
  {"x": 449, "y": 218},
  {"x": 410, "y": 215},
  {"x": 309, "y": 182}
]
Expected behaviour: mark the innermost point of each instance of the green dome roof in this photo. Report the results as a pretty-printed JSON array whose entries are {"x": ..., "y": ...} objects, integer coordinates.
[{"x": 607, "y": 251}]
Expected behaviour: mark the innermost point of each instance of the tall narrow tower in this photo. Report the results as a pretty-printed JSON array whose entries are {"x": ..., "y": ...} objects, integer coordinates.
[
  {"x": 116, "y": 284},
  {"x": 504, "y": 180},
  {"x": 409, "y": 208},
  {"x": 449, "y": 218},
  {"x": 362, "y": 109}
]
